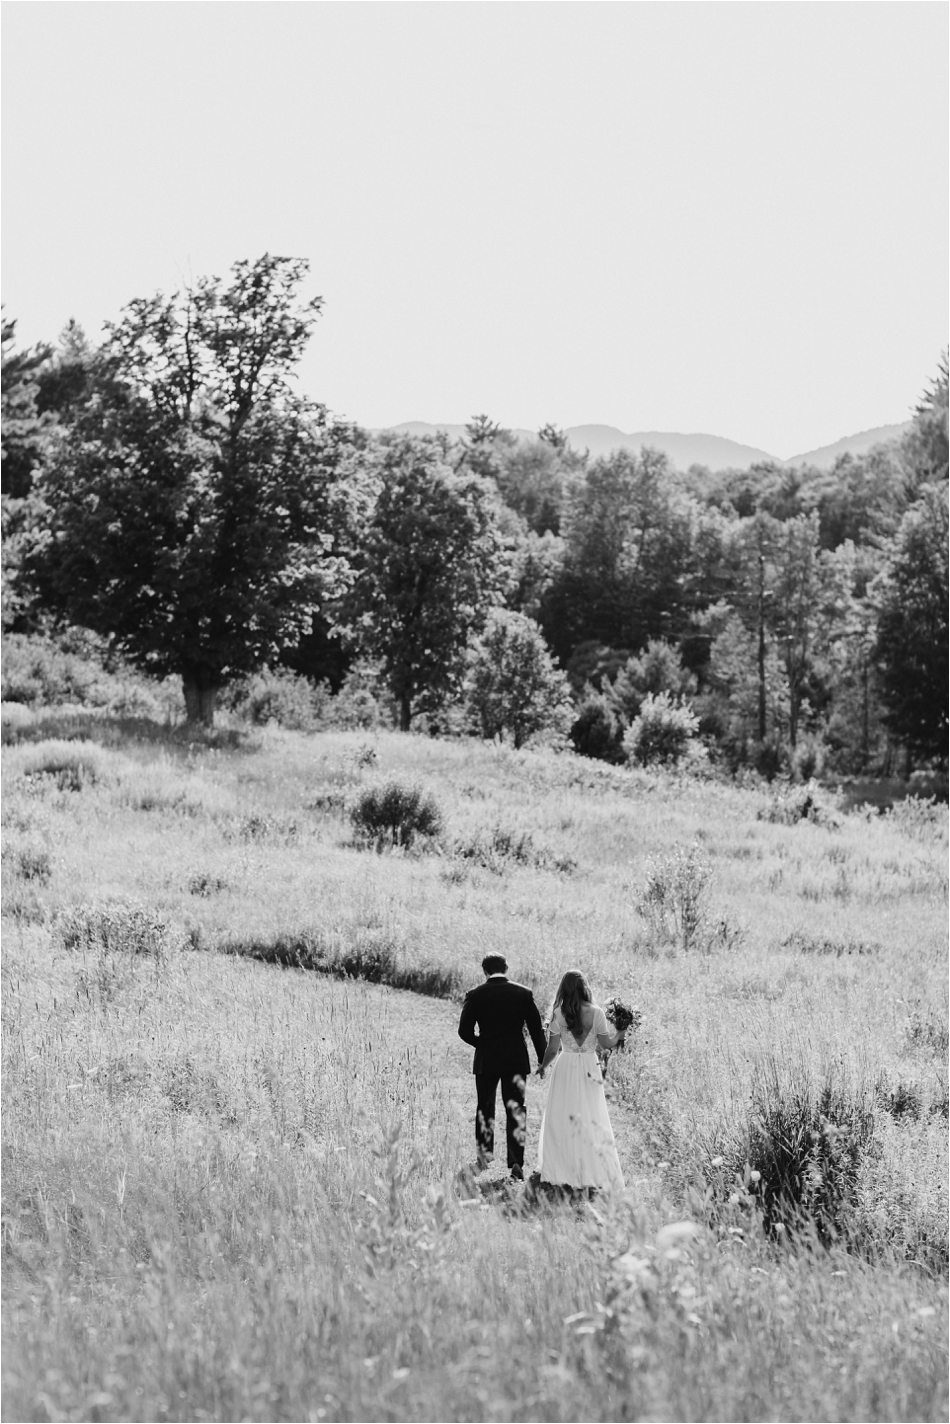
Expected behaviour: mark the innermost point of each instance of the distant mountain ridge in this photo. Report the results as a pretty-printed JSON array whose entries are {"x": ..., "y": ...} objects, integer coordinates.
[{"x": 713, "y": 451}]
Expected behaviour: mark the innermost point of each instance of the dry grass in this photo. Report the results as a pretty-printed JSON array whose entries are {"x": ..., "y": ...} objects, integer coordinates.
[{"x": 230, "y": 1188}]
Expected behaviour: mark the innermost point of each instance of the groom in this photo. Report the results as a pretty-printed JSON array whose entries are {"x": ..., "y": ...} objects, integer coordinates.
[{"x": 501, "y": 1011}]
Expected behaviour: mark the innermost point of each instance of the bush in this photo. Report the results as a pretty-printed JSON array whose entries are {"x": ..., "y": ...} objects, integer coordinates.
[
  {"x": 662, "y": 732},
  {"x": 70, "y": 765},
  {"x": 921, "y": 818},
  {"x": 675, "y": 900},
  {"x": 363, "y": 702},
  {"x": 116, "y": 927},
  {"x": 280, "y": 696},
  {"x": 658, "y": 669},
  {"x": 500, "y": 848},
  {"x": 801, "y": 803},
  {"x": 596, "y": 732},
  {"x": 76, "y": 670},
  {"x": 802, "y": 1152},
  {"x": 394, "y": 813},
  {"x": 807, "y": 760},
  {"x": 15, "y": 718}
]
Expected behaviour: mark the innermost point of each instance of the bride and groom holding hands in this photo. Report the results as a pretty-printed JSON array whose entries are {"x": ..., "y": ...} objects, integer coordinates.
[{"x": 576, "y": 1147}]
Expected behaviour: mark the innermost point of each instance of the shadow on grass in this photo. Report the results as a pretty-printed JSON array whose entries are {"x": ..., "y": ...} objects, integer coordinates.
[
  {"x": 373, "y": 958},
  {"x": 118, "y": 732},
  {"x": 531, "y": 1197}
]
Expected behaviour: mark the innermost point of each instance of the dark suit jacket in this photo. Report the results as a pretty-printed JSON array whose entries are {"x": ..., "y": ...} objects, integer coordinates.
[{"x": 501, "y": 1010}]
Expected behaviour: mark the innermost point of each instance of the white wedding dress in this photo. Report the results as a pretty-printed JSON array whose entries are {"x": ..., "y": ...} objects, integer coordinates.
[{"x": 577, "y": 1146}]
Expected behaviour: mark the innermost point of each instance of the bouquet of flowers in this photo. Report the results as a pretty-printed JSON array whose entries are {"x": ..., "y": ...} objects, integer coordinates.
[{"x": 622, "y": 1016}]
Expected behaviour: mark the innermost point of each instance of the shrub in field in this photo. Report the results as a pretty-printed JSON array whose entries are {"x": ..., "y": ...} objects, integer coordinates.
[
  {"x": 396, "y": 813},
  {"x": 280, "y": 696},
  {"x": 801, "y": 803},
  {"x": 675, "y": 900},
  {"x": 922, "y": 818},
  {"x": 802, "y": 1152},
  {"x": 596, "y": 732},
  {"x": 38, "y": 673},
  {"x": 15, "y": 718},
  {"x": 30, "y": 861},
  {"x": 75, "y": 669},
  {"x": 70, "y": 765},
  {"x": 500, "y": 848},
  {"x": 117, "y": 927},
  {"x": 661, "y": 732}
]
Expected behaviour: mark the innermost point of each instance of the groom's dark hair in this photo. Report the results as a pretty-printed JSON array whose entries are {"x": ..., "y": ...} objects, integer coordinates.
[{"x": 495, "y": 964}]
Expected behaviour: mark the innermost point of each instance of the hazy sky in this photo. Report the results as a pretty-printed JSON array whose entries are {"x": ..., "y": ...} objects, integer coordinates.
[{"x": 729, "y": 218}]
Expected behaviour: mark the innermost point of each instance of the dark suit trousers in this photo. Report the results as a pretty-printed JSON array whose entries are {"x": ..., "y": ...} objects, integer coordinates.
[{"x": 512, "y": 1092}]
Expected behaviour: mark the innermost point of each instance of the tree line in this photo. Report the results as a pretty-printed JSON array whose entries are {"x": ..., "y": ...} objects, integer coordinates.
[{"x": 171, "y": 490}]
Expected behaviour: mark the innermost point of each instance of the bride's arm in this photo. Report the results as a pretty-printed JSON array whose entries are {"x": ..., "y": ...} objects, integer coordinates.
[
  {"x": 605, "y": 1039},
  {"x": 550, "y": 1053}
]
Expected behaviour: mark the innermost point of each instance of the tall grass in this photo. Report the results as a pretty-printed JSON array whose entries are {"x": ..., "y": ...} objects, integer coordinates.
[{"x": 231, "y": 1189}]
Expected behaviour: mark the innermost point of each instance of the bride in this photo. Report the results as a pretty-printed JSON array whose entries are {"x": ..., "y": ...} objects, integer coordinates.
[{"x": 577, "y": 1142}]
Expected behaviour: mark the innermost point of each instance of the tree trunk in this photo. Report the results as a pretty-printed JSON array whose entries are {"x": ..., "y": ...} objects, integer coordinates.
[
  {"x": 405, "y": 711},
  {"x": 201, "y": 688}
]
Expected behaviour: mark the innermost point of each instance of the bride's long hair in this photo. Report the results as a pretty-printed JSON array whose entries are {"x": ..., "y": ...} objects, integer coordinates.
[{"x": 572, "y": 991}]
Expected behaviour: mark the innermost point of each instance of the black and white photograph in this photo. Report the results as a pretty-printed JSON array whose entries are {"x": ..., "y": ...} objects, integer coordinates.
[{"x": 475, "y": 711}]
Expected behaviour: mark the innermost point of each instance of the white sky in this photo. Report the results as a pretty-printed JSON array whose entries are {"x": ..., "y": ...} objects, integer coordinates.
[{"x": 728, "y": 218}]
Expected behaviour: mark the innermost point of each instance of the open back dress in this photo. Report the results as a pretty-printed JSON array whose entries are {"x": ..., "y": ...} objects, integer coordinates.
[{"x": 577, "y": 1147}]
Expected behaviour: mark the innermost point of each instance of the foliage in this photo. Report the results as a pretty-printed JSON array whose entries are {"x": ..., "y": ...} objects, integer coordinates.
[
  {"x": 535, "y": 478},
  {"x": 395, "y": 813},
  {"x": 807, "y": 802},
  {"x": 431, "y": 571},
  {"x": 592, "y": 665},
  {"x": 25, "y": 430},
  {"x": 661, "y": 732},
  {"x": 278, "y": 695},
  {"x": 69, "y": 765},
  {"x": 627, "y": 542},
  {"x": 675, "y": 899},
  {"x": 926, "y": 444},
  {"x": 196, "y": 511},
  {"x": 802, "y": 1153},
  {"x": 118, "y": 927},
  {"x": 513, "y": 687},
  {"x": 919, "y": 817},
  {"x": 502, "y": 847},
  {"x": 596, "y": 731},
  {"x": 912, "y": 634},
  {"x": 658, "y": 669}
]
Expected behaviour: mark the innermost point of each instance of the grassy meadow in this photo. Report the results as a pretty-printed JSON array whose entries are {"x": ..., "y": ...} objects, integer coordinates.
[{"x": 232, "y": 1188}]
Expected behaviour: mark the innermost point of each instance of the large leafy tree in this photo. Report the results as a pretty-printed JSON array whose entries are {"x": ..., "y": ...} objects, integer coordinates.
[
  {"x": 24, "y": 428},
  {"x": 912, "y": 630},
  {"x": 26, "y": 433},
  {"x": 434, "y": 563},
  {"x": 514, "y": 688},
  {"x": 197, "y": 511}
]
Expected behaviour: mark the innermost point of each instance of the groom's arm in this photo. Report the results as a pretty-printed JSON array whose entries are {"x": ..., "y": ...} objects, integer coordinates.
[
  {"x": 535, "y": 1026},
  {"x": 467, "y": 1022}
]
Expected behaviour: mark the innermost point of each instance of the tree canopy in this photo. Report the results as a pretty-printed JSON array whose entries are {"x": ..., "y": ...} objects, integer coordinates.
[{"x": 196, "y": 509}]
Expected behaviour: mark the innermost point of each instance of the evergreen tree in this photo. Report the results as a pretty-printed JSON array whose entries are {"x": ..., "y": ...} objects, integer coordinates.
[
  {"x": 433, "y": 564},
  {"x": 911, "y": 647}
]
